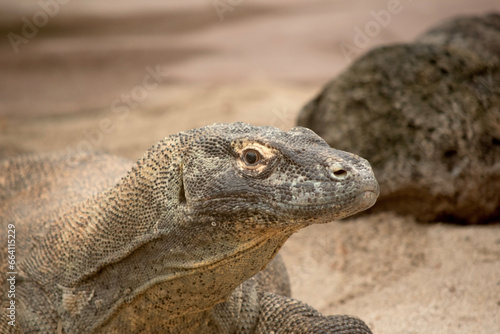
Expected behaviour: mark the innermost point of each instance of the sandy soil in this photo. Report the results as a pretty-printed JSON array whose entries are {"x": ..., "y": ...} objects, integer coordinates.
[{"x": 84, "y": 82}]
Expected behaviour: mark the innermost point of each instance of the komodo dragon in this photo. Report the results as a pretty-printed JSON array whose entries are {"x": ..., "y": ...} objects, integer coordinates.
[{"x": 176, "y": 245}]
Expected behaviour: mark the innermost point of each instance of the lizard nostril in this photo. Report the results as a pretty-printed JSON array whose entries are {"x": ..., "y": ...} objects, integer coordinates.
[{"x": 338, "y": 173}]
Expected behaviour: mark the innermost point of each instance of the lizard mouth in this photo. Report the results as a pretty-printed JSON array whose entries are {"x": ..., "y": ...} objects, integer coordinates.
[
  {"x": 368, "y": 196},
  {"x": 331, "y": 210},
  {"x": 367, "y": 199}
]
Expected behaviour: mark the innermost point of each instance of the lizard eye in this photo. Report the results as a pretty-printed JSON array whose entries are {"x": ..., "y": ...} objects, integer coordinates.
[{"x": 251, "y": 157}]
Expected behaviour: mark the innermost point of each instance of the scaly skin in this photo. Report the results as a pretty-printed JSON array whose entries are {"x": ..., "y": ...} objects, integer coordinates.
[{"x": 180, "y": 243}]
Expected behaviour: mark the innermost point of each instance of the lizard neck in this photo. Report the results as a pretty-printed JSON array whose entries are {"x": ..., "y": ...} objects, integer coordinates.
[{"x": 106, "y": 227}]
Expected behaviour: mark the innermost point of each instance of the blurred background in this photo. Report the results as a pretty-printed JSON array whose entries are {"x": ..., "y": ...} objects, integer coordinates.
[
  {"x": 77, "y": 75},
  {"x": 118, "y": 76}
]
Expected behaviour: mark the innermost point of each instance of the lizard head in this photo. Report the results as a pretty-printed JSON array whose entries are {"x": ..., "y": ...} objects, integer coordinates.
[{"x": 262, "y": 175}]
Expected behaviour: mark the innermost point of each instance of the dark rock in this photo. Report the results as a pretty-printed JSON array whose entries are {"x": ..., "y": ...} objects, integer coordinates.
[{"x": 427, "y": 117}]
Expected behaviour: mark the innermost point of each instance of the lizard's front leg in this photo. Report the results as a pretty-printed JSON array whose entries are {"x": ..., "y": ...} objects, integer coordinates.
[
  {"x": 262, "y": 305},
  {"x": 283, "y": 315}
]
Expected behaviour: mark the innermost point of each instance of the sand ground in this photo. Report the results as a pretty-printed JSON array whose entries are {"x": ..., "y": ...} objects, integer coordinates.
[{"x": 120, "y": 75}]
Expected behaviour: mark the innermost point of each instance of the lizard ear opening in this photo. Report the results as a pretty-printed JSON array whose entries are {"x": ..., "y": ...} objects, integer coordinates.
[{"x": 182, "y": 193}]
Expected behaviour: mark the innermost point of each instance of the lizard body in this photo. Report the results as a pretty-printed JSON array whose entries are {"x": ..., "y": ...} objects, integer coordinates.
[{"x": 180, "y": 243}]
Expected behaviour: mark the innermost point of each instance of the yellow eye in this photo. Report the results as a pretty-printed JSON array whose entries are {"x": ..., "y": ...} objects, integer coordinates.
[{"x": 251, "y": 157}]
